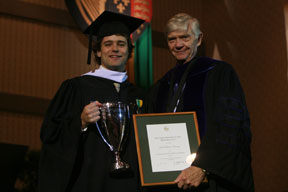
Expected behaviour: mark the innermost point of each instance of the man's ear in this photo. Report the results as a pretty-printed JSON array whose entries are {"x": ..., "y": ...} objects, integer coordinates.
[
  {"x": 200, "y": 37},
  {"x": 98, "y": 53}
]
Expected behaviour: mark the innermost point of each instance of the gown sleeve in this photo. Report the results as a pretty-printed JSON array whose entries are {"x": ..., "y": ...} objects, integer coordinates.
[
  {"x": 158, "y": 92},
  {"x": 60, "y": 135},
  {"x": 150, "y": 99},
  {"x": 225, "y": 148}
]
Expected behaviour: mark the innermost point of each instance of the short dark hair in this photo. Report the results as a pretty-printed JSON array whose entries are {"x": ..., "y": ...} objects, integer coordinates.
[{"x": 97, "y": 47}]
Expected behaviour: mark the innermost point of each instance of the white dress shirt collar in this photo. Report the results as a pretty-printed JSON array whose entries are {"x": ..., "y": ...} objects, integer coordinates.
[{"x": 119, "y": 77}]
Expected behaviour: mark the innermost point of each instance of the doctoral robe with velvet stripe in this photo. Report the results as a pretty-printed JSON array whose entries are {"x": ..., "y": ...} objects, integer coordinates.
[
  {"x": 213, "y": 90},
  {"x": 81, "y": 162}
]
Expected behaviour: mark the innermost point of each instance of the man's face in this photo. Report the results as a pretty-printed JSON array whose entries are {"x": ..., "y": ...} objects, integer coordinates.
[
  {"x": 114, "y": 52},
  {"x": 183, "y": 45}
]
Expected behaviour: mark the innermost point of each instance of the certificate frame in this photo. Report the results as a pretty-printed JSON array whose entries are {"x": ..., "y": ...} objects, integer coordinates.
[{"x": 147, "y": 176}]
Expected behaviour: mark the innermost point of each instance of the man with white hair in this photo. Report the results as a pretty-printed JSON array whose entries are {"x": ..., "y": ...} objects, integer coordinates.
[{"x": 212, "y": 89}]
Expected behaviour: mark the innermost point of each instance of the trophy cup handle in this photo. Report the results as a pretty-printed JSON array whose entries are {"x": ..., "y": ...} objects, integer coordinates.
[{"x": 110, "y": 146}]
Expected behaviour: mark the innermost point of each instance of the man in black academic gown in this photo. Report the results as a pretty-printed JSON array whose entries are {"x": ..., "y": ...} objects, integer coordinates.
[
  {"x": 212, "y": 89},
  {"x": 74, "y": 158}
]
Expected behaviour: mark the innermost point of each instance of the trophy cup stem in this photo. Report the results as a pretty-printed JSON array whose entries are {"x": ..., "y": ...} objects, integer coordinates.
[{"x": 119, "y": 166}]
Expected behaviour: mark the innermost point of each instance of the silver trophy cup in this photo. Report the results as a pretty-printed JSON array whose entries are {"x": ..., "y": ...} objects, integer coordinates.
[{"x": 114, "y": 132}]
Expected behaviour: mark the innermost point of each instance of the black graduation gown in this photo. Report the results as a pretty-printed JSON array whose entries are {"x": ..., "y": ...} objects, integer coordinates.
[
  {"x": 213, "y": 90},
  {"x": 75, "y": 161}
]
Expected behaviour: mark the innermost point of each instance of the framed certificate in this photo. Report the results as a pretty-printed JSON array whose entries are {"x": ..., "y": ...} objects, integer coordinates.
[{"x": 166, "y": 144}]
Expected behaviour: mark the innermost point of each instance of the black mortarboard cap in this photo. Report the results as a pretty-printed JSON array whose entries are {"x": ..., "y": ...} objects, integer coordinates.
[{"x": 110, "y": 23}]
